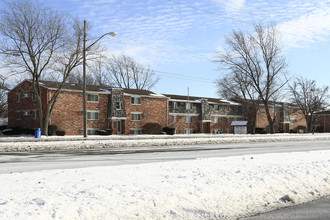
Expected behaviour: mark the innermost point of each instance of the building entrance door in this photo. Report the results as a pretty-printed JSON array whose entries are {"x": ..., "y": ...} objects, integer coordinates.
[{"x": 119, "y": 127}]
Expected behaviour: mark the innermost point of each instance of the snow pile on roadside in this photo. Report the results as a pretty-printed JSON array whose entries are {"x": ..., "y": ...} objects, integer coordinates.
[
  {"x": 56, "y": 144},
  {"x": 210, "y": 188}
]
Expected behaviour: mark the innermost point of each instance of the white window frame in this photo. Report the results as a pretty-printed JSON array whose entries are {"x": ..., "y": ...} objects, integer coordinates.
[
  {"x": 174, "y": 118},
  {"x": 92, "y": 131},
  {"x": 216, "y": 107},
  {"x": 34, "y": 114},
  {"x": 136, "y": 131},
  {"x": 26, "y": 95},
  {"x": 189, "y": 106},
  {"x": 18, "y": 97},
  {"x": 189, "y": 119},
  {"x": 119, "y": 105},
  {"x": 136, "y": 116},
  {"x": 90, "y": 114},
  {"x": 175, "y": 105},
  {"x": 89, "y": 95},
  {"x": 136, "y": 100},
  {"x": 216, "y": 120},
  {"x": 34, "y": 97}
]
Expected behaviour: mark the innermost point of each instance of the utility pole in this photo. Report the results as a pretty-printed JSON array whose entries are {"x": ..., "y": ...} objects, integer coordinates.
[
  {"x": 84, "y": 82},
  {"x": 188, "y": 131}
]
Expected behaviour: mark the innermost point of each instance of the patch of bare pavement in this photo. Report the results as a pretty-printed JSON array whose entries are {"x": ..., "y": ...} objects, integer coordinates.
[{"x": 315, "y": 210}]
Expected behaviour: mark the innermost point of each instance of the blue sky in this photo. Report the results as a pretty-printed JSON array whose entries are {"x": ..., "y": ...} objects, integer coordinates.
[{"x": 179, "y": 38}]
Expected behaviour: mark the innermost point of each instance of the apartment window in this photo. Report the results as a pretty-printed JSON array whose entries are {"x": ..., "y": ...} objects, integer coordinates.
[
  {"x": 117, "y": 105},
  {"x": 216, "y": 119},
  {"x": 92, "y": 115},
  {"x": 216, "y": 107},
  {"x": 92, "y": 131},
  {"x": 227, "y": 120},
  {"x": 188, "y": 119},
  {"x": 188, "y": 105},
  {"x": 174, "y": 118},
  {"x": 18, "y": 115},
  {"x": 136, "y": 100},
  {"x": 135, "y": 131},
  {"x": 34, "y": 115},
  {"x": 34, "y": 97},
  {"x": 292, "y": 120},
  {"x": 92, "y": 97},
  {"x": 26, "y": 113},
  {"x": 136, "y": 116},
  {"x": 175, "y": 105},
  {"x": 25, "y": 95},
  {"x": 292, "y": 110},
  {"x": 18, "y": 97}
]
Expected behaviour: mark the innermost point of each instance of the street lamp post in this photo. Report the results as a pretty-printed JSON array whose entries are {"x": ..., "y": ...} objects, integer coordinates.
[{"x": 113, "y": 34}]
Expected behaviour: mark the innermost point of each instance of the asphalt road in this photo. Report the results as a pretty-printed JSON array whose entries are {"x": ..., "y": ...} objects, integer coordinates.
[
  {"x": 34, "y": 161},
  {"x": 316, "y": 210}
]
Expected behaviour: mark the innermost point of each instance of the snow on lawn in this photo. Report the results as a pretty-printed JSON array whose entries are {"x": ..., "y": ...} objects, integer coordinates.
[
  {"x": 212, "y": 188},
  {"x": 10, "y": 144}
]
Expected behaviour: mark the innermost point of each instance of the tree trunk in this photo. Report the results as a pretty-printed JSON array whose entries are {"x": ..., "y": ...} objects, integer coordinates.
[
  {"x": 269, "y": 118},
  {"x": 45, "y": 122},
  {"x": 309, "y": 122}
]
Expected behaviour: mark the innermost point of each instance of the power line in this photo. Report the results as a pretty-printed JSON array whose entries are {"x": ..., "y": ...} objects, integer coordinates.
[{"x": 181, "y": 76}]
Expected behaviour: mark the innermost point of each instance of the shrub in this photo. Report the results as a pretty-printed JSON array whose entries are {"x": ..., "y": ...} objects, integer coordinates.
[
  {"x": 169, "y": 130},
  {"x": 104, "y": 132},
  {"x": 52, "y": 129},
  {"x": 152, "y": 128},
  {"x": 60, "y": 133},
  {"x": 28, "y": 131},
  {"x": 261, "y": 131}
]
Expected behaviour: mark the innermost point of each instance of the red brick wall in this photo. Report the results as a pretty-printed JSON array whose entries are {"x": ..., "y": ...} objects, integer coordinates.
[
  {"x": 323, "y": 122},
  {"x": 67, "y": 114},
  {"x": 25, "y": 104},
  {"x": 152, "y": 110},
  {"x": 223, "y": 126},
  {"x": 262, "y": 121},
  {"x": 181, "y": 125}
]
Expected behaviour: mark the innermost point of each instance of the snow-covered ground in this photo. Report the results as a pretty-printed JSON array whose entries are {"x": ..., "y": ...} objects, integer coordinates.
[
  {"x": 213, "y": 188},
  {"x": 29, "y": 143}
]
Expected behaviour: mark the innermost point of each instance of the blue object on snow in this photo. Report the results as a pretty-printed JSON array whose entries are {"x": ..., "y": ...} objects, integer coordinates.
[{"x": 37, "y": 133}]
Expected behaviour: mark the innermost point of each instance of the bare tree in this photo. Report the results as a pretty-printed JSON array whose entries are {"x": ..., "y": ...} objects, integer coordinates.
[
  {"x": 257, "y": 57},
  {"x": 236, "y": 86},
  {"x": 3, "y": 97},
  {"x": 125, "y": 72},
  {"x": 41, "y": 42},
  {"x": 309, "y": 98},
  {"x": 98, "y": 70},
  {"x": 76, "y": 77}
]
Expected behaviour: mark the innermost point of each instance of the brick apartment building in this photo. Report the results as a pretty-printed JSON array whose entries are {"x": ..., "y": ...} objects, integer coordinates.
[
  {"x": 126, "y": 111},
  {"x": 287, "y": 118},
  {"x": 322, "y": 121}
]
